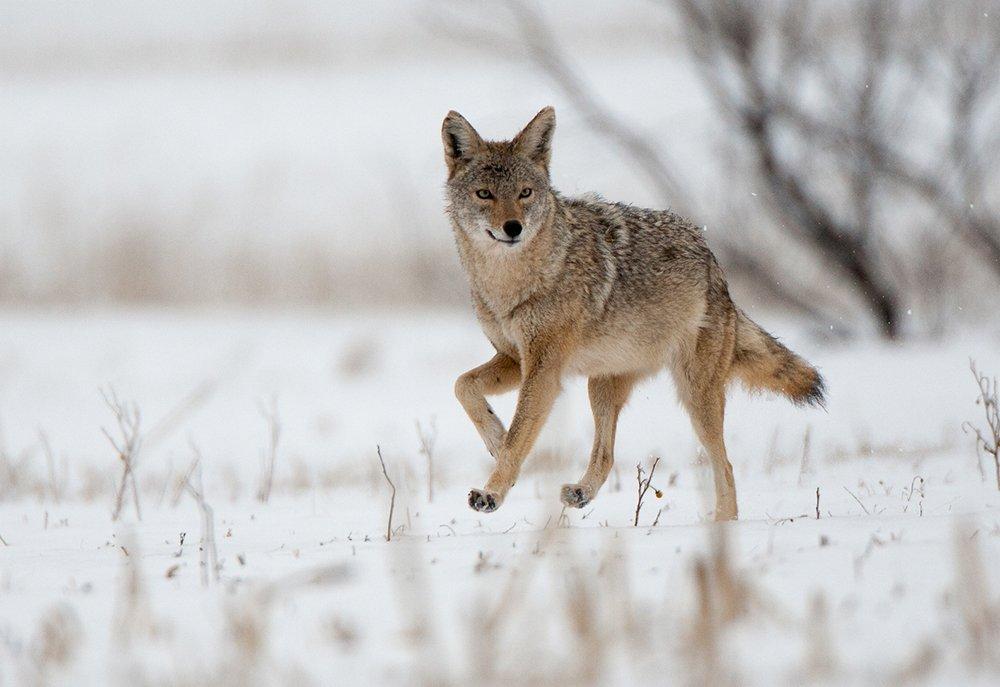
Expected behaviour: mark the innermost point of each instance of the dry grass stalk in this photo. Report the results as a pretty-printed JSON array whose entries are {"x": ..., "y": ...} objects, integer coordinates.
[
  {"x": 644, "y": 484},
  {"x": 855, "y": 497},
  {"x": 55, "y": 485},
  {"x": 55, "y": 642},
  {"x": 15, "y": 473},
  {"x": 733, "y": 591},
  {"x": 723, "y": 597},
  {"x": 427, "y": 441},
  {"x": 270, "y": 415},
  {"x": 392, "y": 499},
  {"x": 500, "y": 610},
  {"x": 917, "y": 669},
  {"x": 209, "y": 553},
  {"x": 248, "y": 619},
  {"x": 129, "y": 420},
  {"x": 197, "y": 397},
  {"x": 980, "y": 615},
  {"x": 181, "y": 482},
  {"x": 989, "y": 399},
  {"x": 134, "y": 618},
  {"x": 415, "y": 600},
  {"x": 584, "y": 620},
  {"x": 805, "y": 467},
  {"x": 702, "y": 647},
  {"x": 820, "y": 661}
]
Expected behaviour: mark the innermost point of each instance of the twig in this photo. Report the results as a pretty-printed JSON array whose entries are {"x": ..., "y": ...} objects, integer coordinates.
[
  {"x": 50, "y": 462},
  {"x": 989, "y": 398},
  {"x": 179, "y": 491},
  {"x": 392, "y": 500},
  {"x": 858, "y": 500},
  {"x": 270, "y": 415},
  {"x": 644, "y": 485},
  {"x": 185, "y": 406},
  {"x": 817, "y": 503},
  {"x": 804, "y": 466},
  {"x": 129, "y": 421},
  {"x": 209, "y": 553}
]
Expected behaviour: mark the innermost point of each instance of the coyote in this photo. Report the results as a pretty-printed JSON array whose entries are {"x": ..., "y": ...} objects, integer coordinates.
[{"x": 582, "y": 286}]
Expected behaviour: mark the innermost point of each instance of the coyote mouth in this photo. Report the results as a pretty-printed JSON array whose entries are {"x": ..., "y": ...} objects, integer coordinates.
[{"x": 509, "y": 242}]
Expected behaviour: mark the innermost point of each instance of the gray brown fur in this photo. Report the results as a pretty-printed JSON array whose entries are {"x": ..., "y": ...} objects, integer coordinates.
[{"x": 605, "y": 290}]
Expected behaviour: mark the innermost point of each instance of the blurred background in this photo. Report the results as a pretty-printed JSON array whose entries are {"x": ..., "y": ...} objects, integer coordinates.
[
  {"x": 227, "y": 282},
  {"x": 257, "y": 154}
]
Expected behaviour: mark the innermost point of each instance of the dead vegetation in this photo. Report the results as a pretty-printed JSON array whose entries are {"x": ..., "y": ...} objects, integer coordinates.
[
  {"x": 980, "y": 613},
  {"x": 209, "y": 554},
  {"x": 128, "y": 421},
  {"x": 428, "y": 439},
  {"x": 988, "y": 439},
  {"x": 392, "y": 497},
  {"x": 55, "y": 645},
  {"x": 602, "y": 629},
  {"x": 644, "y": 482},
  {"x": 270, "y": 414}
]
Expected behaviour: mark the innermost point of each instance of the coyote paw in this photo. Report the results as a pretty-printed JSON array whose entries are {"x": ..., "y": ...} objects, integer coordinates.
[
  {"x": 575, "y": 495},
  {"x": 483, "y": 501}
]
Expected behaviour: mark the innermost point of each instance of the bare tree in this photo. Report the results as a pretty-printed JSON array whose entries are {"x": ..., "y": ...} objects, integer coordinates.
[
  {"x": 829, "y": 133},
  {"x": 729, "y": 41}
]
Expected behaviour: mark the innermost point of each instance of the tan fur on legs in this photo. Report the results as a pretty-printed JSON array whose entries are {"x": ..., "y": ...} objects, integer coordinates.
[
  {"x": 607, "y": 397},
  {"x": 707, "y": 414},
  {"x": 542, "y": 372},
  {"x": 496, "y": 376},
  {"x": 702, "y": 386}
]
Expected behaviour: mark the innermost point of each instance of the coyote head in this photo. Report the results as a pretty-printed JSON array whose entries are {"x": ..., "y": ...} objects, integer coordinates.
[{"x": 498, "y": 191}]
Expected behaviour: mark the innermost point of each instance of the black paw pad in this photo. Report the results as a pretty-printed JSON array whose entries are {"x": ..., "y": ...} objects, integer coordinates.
[
  {"x": 575, "y": 496},
  {"x": 482, "y": 501}
]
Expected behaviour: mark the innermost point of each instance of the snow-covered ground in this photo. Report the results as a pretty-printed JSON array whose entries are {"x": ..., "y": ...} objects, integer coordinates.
[{"x": 882, "y": 587}]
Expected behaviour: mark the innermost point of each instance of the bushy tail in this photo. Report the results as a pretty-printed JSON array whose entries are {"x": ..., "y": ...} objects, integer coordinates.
[{"x": 762, "y": 362}]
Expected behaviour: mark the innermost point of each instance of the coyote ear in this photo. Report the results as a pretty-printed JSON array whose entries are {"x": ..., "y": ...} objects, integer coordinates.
[
  {"x": 460, "y": 140},
  {"x": 535, "y": 140}
]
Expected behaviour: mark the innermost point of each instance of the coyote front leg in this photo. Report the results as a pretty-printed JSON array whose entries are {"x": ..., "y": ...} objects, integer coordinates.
[
  {"x": 607, "y": 397},
  {"x": 538, "y": 393},
  {"x": 501, "y": 373}
]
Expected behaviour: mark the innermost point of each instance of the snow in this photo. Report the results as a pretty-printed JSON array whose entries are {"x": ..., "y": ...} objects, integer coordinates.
[{"x": 310, "y": 592}]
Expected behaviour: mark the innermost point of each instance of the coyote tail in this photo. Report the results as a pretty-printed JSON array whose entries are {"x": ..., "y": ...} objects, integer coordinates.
[{"x": 761, "y": 362}]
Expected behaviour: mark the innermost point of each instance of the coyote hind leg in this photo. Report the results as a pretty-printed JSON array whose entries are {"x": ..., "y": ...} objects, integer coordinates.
[
  {"x": 701, "y": 379},
  {"x": 607, "y": 397},
  {"x": 707, "y": 410}
]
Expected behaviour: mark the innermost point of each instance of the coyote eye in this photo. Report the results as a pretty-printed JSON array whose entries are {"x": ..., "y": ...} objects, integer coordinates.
[
  {"x": 484, "y": 194},
  {"x": 525, "y": 193}
]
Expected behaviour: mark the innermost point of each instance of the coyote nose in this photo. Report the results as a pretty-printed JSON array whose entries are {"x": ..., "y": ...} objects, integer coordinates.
[{"x": 512, "y": 228}]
